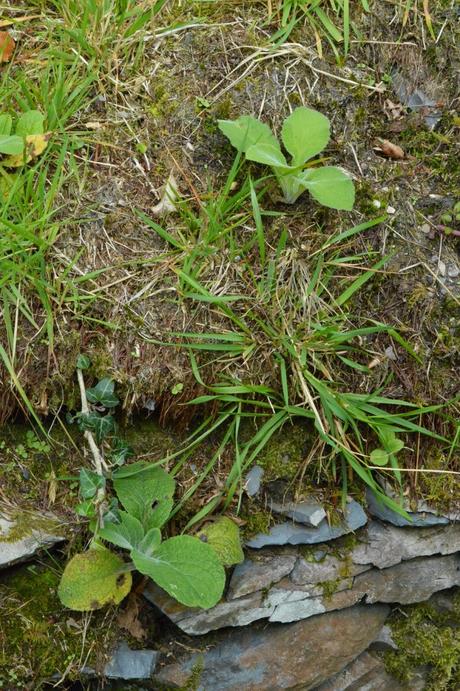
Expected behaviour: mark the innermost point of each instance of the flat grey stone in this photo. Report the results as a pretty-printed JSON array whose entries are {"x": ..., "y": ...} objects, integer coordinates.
[
  {"x": 252, "y": 575},
  {"x": 253, "y": 480},
  {"x": 384, "y": 641},
  {"x": 299, "y": 655},
  {"x": 294, "y": 534},
  {"x": 131, "y": 665},
  {"x": 386, "y": 545},
  {"x": 366, "y": 673},
  {"x": 309, "y": 512},
  {"x": 419, "y": 519},
  {"x": 21, "y": 537},
  {"x": 329, "y": 568}
]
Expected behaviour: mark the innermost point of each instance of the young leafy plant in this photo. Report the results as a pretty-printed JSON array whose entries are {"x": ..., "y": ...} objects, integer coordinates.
[
  {"x": 305, "y": 133},
  {"x": 28, "y": 141}
]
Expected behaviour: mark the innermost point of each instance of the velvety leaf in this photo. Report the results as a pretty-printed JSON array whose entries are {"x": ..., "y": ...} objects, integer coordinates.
[
  {"x": 30, "y": 122},
  {"x": 6, "y": 123},
  {"x": 188, "y": 569},
  {"x": 305, "y": 133},
  {"x": 94, "y": 579},
  {"x": 35, "y": 145},
  {"x": 127, "y": 534},
  {"x": 11, "y": 145},
  {"x": 138, "y": 492},
  {"x": 103, "y": 394},
  {"x": 150, "y": 542},
  {"x": 247, "y": 131},
  {"x": 224, "y": 537},
  {"x": 330, "y": 186},
  {"x": 267, "y": 154}
]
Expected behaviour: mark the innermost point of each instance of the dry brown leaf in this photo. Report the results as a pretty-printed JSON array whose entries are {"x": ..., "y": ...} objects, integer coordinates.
[
  {"x": 170, "y": 194},
  {"x": 35, "y": 145},
  {"x": 7, "y": 45},
  {"x": 390, "y": 150},
  {"x": 128, "y": 619}
]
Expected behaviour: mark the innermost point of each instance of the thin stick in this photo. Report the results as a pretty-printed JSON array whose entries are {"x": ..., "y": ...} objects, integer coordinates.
[{"x": 99, "y": 463}]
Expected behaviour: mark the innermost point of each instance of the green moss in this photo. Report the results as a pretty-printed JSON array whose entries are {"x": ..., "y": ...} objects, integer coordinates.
[
  {"x": 23, "y": 527},
  {"x": 256, "y": 522},
  {"x": 330, "y": 587},
  {"x": 283, "y": 455},
  {"x": 427, "y": 637}
]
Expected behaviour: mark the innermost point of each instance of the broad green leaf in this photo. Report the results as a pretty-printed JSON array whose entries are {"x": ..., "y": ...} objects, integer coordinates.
[
  {"x": 379, "y": 457},
  {"x": 330, "y": 186},
  {"x": 6, "y": 123},
  {"x": 305, "y": 133},
  {"x": 83, "y": 362},
  {"x": 224, "y": 537},
  {"x": 268, "y": 154},
  {"x": 103, "y": 394},
  {"x": 30, "y": 122},
  {"x": 150, "y": 542},
  {"x": 188, "y": 569},
  {"x": 90, "y": 483},
  {"x": 11, "y": 145},
  {"x": 128, "y": 533},
  {"x": 94, "y": 579},
  {"x": 247, "y": 131},
  {"x": 138, "y": 492}
]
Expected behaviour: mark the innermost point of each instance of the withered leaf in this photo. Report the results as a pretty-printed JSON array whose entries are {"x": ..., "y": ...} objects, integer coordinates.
[
  {"x": 35, "y": 145},
  {"x": 7, "y": 45},
  {"x": 390, "y": 150},
  {"x": 128, "y": 619}
]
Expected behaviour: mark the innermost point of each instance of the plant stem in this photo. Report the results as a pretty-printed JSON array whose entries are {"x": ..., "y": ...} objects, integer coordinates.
[{"x": 99, "y": 463}]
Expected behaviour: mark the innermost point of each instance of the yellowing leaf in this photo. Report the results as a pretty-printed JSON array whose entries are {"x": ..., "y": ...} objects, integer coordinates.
[
  {"x": 35, "y": 145},
  {"x": 94, "y": 579},
  {"x": 7, "y": 45},
  {"x": 224, "y": 537}
]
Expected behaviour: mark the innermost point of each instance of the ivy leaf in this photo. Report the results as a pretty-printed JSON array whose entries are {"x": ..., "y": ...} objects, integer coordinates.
[
  {"x": 305, "y": 133},
  {"x": 379, "y": 457},
  {"x": 83, "y": 362},
  {"x": 86, "y": 509},
  {"x": 90, "y": 483},
  {"x": 120, "y": 452},
  {"x": 247, "y": 131},
  {"x": 188, "y": 569},
  {"x": 102, "y": 426},
  {"x": 103, "y": 394},
  {"x": 94, "y": 579},
  {"x": 127, "y": 534},
  {"x": 224, "y": 537}
]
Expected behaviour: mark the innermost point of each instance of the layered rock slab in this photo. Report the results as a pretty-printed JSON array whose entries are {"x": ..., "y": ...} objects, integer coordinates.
[
  {"x": 21, "y": 537},
  {"x": 301, "y": 655}
]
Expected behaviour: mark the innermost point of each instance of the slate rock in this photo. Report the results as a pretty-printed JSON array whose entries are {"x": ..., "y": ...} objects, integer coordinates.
[
  {"x": 366, "y": 673},
  {"x": 252, "y": 575},
  {"x": 384, "y": 641},
  {"x": 253, "y": 480},
  {"x": 419, "y": 519},
  {"x": 385, "y": 545},
  {"x": 300, "y": 655},
  {"x": 294, "y": 534},
  {"x": 329, "y": 568},
  {"x": 21, "y": 537},
  {"x": 131, "y": 665},
  {"x": 309, "y": 512}
]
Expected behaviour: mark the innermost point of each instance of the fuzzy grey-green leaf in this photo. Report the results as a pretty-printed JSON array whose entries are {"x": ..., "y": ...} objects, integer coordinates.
[{"x": 223, "y": 536}]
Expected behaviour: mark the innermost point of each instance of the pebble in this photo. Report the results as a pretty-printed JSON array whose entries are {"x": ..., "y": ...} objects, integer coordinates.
[
  {"x": 376, "y": 204},
  {"x": 425, "y": 228},
  {"x": 442, "y": 267},
  {"x": 453, "y": 271},
  {"x": 391, "y": 210}
]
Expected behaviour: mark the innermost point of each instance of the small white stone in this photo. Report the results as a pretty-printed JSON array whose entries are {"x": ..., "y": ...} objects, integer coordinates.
[
  {"x": 377, "y": 204},
  {"x": 391, "y": 210},
  {"x": 441, "y": 268},
  {"x": 425, "y": 228},
  {"x": 453, "y": 271}
]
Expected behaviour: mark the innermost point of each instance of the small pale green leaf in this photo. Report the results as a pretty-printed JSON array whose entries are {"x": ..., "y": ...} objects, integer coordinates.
[
  {"x": 330, "y": 186},
  {"x": 305, "y": 133},
  {"x": 90, "y": 483},
  {"x": 188, "y": 569},
  {"x": 30, "y": 122},
  {"x": 94, "y": 579},
  {"x": 6, "y": 123},
  {"x": 247, "y": 131},
  {"x": 224, "y": 537},
  {"x": 394, "y": 445},
  {"x": 379, "y": 457},
  {"x": 267, "y": 154},
  {"x": 127, "y": 534},
  {"x": 11, "y": 145}
]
